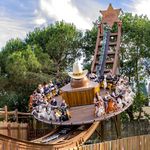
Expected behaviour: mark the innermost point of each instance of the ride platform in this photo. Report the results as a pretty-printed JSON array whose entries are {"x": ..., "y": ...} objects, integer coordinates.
[{"x": 83, "y": 114}]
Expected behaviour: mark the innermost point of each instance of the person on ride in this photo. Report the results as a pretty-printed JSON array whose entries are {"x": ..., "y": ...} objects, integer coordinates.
[
  {"x": 63, "y": 105},
  {"x": 97, "y": 99},
  {"x": 109, "y": 77},
  {"x": 120, "y": 103},
  {"x": 98, "y": 102},
  {"x": 99, "y": 105},
  {"x": 93, "y": 77},
  {"x": 101, "y": 81},
  {"x": 53, "y": 104},
  {"x": 64, "y": 116},
  {"x": 126, "y": 81},
  {"x": 57, "y": 114},
  {"x": 113, "y": 94},
  {"x": 40, "y": 88},
  {"x": 46, "y": 90},
  {"x": 52, "y": 88},
  {"x": 110, "y": 103},
  {"x": 120, "y": 88},
  {"x": 106, "y": 99},
  {"x": 65, "y": 111},
  {"x": 45, "y": 100},
  {"x": 39, "y": 97}
]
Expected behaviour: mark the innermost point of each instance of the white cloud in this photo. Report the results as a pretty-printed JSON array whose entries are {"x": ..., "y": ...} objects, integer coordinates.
[
  {"x": 17, "y": 24},
  {"x": 142, "y": 7},
  {"x": 10, "y": 28},
  {"x": 65, "y": 10},
  {"x": 40, "y": 21},
  {"x": 90, "y": 8}
]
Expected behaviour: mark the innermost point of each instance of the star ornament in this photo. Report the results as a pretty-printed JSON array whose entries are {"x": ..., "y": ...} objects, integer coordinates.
[{"x": 110, "y": 16}]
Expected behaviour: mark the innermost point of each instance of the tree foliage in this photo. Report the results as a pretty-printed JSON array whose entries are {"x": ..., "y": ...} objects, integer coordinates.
[
  {"x": 88, "y": 46},
  {"x": 63, "y": 44},
  {"x": 11, "y": 46},
  {"x": 61, "y": 41}
]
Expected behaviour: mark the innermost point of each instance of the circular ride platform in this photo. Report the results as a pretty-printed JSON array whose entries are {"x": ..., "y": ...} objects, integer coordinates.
[{"x": 83, "y": 114}]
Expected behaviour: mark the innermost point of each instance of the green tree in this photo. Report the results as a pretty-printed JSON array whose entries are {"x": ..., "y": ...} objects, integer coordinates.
[
  {"x": 16, "y": 65},
  {"x": 47, "y": 65},
  {"x": 38, "y": 38},
  {"x": 32, "y": 62},
  {"x": 88, "y": 46},
  {"x": 135, "y": 47},
  {"x": 21, "y": 62},
  {"x": 61, "y": 41},
  {"x": 11, "y": 46}
]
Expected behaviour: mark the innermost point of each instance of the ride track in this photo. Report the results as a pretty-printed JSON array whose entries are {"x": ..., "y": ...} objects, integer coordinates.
[{"x": 74, "y": 133}]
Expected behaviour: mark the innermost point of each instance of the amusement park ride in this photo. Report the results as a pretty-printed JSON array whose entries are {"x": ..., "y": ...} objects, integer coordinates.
[{"x": 79, "y": 94}]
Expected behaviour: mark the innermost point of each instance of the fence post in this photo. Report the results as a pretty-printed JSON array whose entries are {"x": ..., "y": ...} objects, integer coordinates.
[
  {"x": 117, "y": 125},
  {"x": 9, "y": 129},
  {"x": 19, "y": 135},
  {"x": 6, "y": 113},
  {"x": 16, "y": 115},
  {"x": 102, "y": 130}
]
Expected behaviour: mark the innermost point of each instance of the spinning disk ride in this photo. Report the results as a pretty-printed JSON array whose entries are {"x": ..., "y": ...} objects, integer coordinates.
[{"x": 80, "y": 93}]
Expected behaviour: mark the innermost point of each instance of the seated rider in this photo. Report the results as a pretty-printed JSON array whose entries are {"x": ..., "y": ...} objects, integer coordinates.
[
  {"x": 64, "y": 109},
  {"x": 40, "y": 89},
  {"x": 64, "y": 116},
  {"x": 113, "y": 94},
  {"x": 101, "y": 79},
  {"x": 106, "y": 99},
  {"x": 63, "y": 105},
  {"x": 53, "y": 103},
  {"x": 52, "y": 87},
  {"x": 46, "y": 89},
  {"x": 93, "y": 77},
  {"x": 109, "y": 77},
  {"x": 57, "y": 114},
  {"x": 116, "y": 79},
  {"x": 97, "y": 99},
  {"x": 99, "y": 105}
]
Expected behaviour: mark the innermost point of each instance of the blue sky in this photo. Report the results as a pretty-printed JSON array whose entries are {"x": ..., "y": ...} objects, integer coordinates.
[{"x": 18, "y": 17}]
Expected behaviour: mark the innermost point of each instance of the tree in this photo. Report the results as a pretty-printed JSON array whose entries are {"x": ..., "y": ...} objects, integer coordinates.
[
  {"x": 88, "y": 46},
  {"x": 37, "y": 38},
  {"x": 11, "y": 46},
  {"x": 32, "y": 62},
  {"x": 61, "y": 41},
  {"x": 47, "y": 64},
  {"x": 135, "y": 46},
  {"x": 21, "y": 62}
]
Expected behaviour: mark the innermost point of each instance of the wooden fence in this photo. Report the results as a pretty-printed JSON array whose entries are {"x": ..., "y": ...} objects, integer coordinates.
[
  {"x": 5, "y": 113},
  {"x": 33, "y": 130},
  {"x": 130, "y": 143},
  {"x": 14, "y": 129}
]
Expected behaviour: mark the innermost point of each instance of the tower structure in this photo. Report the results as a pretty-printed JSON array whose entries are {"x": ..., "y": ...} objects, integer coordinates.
[{"x": 110, "y": 60}]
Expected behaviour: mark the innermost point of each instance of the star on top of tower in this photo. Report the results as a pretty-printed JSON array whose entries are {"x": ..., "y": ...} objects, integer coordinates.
[{"x": 110, "y": 16}]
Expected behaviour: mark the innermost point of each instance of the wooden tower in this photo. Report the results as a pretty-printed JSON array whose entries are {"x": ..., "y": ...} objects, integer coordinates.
[{"x": 109, "y": 17}]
